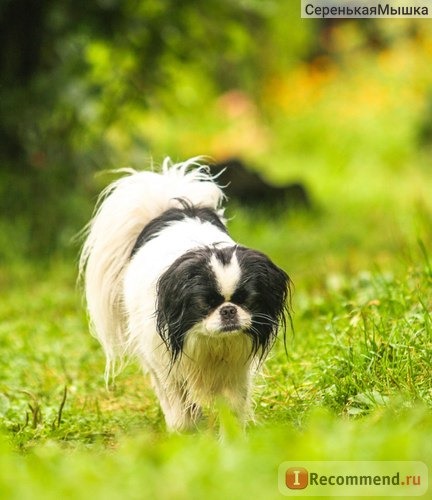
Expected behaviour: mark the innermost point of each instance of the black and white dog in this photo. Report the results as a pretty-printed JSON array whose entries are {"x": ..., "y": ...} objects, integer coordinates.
[{"x": 165, "y": 282}]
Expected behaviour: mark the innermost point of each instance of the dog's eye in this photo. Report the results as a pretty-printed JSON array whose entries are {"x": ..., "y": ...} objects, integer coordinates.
[
  {"x": 214, "y": 300},
  {"x": 239, "y": 297}
]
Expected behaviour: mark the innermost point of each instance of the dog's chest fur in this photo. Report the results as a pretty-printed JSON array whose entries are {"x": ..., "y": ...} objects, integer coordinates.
[{"x": 213, "y": 367}]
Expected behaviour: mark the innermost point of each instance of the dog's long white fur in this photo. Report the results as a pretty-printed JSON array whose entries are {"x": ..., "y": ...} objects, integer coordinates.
[{"x": 123, "y": 209}]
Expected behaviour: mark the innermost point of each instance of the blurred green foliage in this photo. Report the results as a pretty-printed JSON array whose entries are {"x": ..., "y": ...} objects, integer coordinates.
[
  {"x": 194, "y": 467},
  {"x": 121, "y": 83},
  {"x": 78, "y": 77}
]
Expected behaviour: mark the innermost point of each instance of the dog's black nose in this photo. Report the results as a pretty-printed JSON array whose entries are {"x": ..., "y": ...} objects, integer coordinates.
[{"x": 228, "y": 312}]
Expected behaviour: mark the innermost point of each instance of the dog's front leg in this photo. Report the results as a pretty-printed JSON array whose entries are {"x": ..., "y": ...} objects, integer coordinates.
[{"x": 179, "y": 412}]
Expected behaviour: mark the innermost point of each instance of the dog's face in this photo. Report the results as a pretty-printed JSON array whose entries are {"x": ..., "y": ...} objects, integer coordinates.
[{"x": 221, "y": 292}]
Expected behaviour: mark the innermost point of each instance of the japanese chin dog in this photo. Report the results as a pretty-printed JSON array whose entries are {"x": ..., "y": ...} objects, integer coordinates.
[{"x": 165, "y": 282}]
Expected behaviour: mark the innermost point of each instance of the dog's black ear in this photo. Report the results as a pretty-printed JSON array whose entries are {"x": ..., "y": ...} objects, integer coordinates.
[
  {"x": 270, "y": 289},
  {"x": 171, "y": 306},
  {"x": 180, "y": 291},
  {"x": 272, "y": 281}
]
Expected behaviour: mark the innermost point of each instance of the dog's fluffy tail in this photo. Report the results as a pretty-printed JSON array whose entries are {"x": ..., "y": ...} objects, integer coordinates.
[{"x": 124, "y": 208}]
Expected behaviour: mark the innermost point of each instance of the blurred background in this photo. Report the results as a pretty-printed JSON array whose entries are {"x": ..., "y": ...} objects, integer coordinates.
[{"x": 343, "y": 107}]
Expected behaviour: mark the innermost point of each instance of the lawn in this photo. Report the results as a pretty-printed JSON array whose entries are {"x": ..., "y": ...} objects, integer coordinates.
[{"x": 354, "y": 384}]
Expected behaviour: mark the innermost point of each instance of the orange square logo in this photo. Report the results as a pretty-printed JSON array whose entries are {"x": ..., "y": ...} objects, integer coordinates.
[{"x": 296, "y": 478}]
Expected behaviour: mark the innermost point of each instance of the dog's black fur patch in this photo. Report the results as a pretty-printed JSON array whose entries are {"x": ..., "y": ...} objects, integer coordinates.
[{"x": 187, "y": 210}]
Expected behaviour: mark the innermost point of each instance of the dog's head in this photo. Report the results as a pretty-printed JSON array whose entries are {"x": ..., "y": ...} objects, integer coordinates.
[{"x": 221, "y": 292}]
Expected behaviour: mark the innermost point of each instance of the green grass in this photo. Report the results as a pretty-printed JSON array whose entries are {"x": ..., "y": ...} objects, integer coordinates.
[{"x": 354, "y": 385}]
